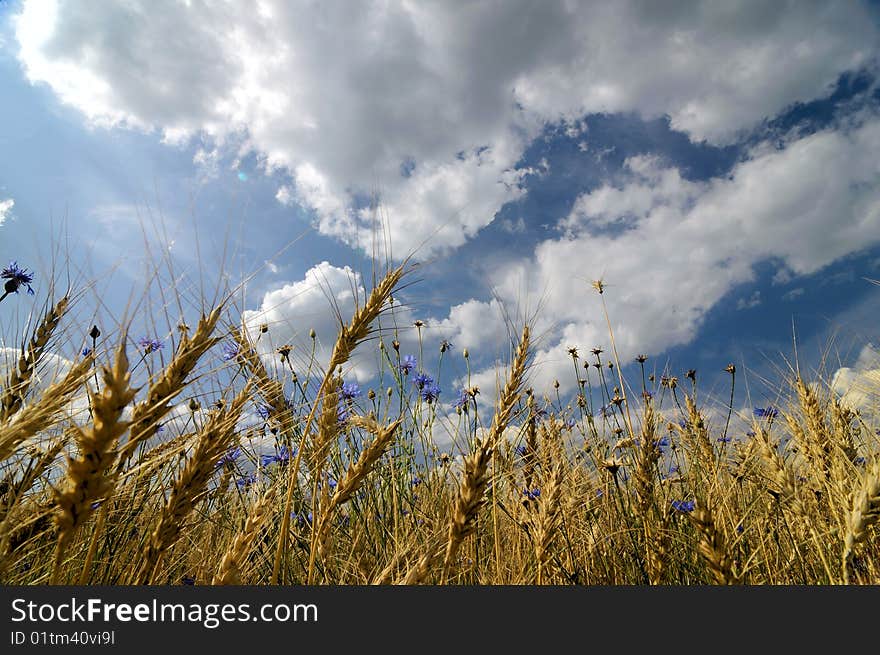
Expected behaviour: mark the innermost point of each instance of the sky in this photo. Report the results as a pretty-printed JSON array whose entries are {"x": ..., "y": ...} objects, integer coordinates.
[{"x": 713, "y": 163}]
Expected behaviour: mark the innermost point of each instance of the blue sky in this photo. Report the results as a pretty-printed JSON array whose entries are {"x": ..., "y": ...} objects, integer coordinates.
[{"x": 714, "y": 163}]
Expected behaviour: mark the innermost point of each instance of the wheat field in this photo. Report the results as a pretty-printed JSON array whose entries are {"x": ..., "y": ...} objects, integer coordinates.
[{"x": 627, "y": 482}]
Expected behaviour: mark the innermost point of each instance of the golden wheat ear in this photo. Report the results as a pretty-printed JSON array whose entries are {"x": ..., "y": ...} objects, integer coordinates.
[
  {"x": 19, "y": 378},
  {"x": 89, "y": 476}
]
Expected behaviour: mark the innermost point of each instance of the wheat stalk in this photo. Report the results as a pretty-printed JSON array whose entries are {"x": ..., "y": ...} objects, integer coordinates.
[
  {"x": 89, "y": 477},
  {"x": 215, "y": 439},
  {"x": 19, "y": 378},
  {"x": 230, "y": 569},
  {"x": 864, "y": 514},
  {"x": 170, "y": 382},
  {"x": 474, "y": 479},
  {"x": 42, "y": 413}
]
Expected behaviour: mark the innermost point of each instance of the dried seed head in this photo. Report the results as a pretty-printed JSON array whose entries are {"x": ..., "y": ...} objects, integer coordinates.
[{"x": 94, "y": 333}]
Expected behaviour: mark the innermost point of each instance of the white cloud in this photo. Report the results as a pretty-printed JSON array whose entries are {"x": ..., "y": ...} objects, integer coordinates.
[
  {"x": 325, "y": 295},
  {"x": 340, "y": 96},
  {"x": 749, "y": 303},
  {"x": 795, "y": 293},
  {"x": 688, "y": 244},
  {"x": 859, "y": 385},
  {"x": 6, "y": 209}
]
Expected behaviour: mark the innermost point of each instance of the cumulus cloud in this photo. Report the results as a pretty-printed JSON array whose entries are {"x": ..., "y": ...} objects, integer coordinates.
[
  {"x": 6, "y": 209},
  {"x": 680, "y": 246},
  {"x": 431, "y": 105},
  {"x": 859, "y": 385},
  {"x": 325, "y": 295}
]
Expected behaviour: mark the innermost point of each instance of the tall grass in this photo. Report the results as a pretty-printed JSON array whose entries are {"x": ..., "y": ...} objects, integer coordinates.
[{"x": 360, "y": 490}]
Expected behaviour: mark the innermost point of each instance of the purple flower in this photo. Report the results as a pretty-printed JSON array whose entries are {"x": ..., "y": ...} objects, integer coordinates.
[
  {"x": 350, "y": 390},
  {"x": 230, "y": 351},
  {"x": 766, "y": 412},
  {"x": 150, "y": 345},
  {"x": 430, "y": 392},
  {"x": 229, "y": 458},
  {"x": 281, "y": 457},
  {"x": 245, "y": 481},
  {"x": 341, "y": 414},
  {"x": 408, "y": 363},
  {"x": 532, "y": 494},
  {"x": 683, "y": 505},
  {"x": 16, "y": 277},
  {"x": 422, "y": 380},
  {"x": 463, "y": 402}
]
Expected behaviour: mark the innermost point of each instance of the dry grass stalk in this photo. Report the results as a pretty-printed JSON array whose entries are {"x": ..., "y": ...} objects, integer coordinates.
[
  {"x": 230, "y": 570},
  {"x": 712, "y": 546},
  {"x": 12, "y": 490},
  {"x": 216, "y": 437},
  {"x": 548, "y": 518},
  {"x": 355, "y": 475},
  {"x": 43, "y": 413},
  {"x": 170, "y": 382},
  {"x": 19, "y": 378},
  {"x": 865, "y": 513},
  {"x": 475, "y": 479},
  {"x": 89, "y": 476},
  {"x": 270, "y": 389},
  {"x": 349, "y": 337}
]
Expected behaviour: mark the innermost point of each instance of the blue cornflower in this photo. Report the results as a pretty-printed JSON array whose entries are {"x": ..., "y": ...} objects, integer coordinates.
[
  {"x": 724, "y": 439},
  {"x": 16, "y": 277},
  {"x": 766, "y": 412},
  {"x": 422, "y": 380},
  {"x": 683, "y": 505},
  {"x": 532, "y": 494},
  {"x": 229, "y": 458},
  {"x": 230, "y": 351},
  {"x": 522, "y": 450},
  {"x": 662, "y": 442},
  {"x": 463, "y": 402},
  {"x": 281, "y": 457},
  {"x": 430, "y": 392},
  {"x": 246, "y": 481},
  {"x": 150, "y": 345},
  {"x": 860, "y": 461},
  {"x": 751, "y": 433},
  {"x": 408, "y": 363},
  {"x": 85, "y": 352},
  {"x": 341, "y": 414},
  {"x": 415, "y": 482},
  {"x": 350, "y": 390}
]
